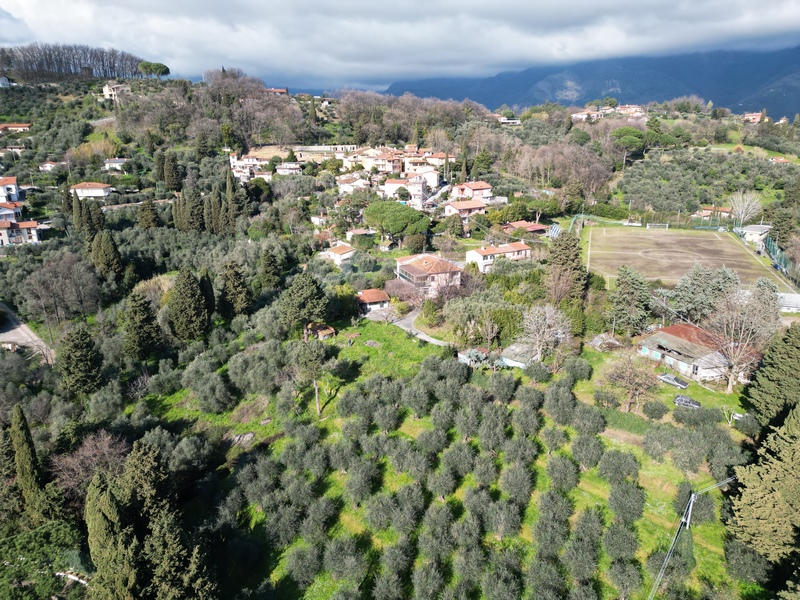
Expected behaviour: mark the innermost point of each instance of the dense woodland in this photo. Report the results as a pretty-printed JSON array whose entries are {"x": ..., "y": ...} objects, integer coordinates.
[{"x": 192, "y": 440}]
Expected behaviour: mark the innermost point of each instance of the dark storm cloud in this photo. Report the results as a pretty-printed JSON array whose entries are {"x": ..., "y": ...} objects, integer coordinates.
[{"x": 353, "y": 42}]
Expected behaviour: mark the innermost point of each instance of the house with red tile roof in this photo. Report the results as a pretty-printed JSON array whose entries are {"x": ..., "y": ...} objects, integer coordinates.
[
  {"x": 10, "y": 211},
  {"x": 527, "y": 226},
  {"x": 689, "y": 350},
  {"x": 429, "y": 274},
  {"x": 341, "y": 254},
  {"x": 14, "y": 127},
  {"x": 471, "y": 190},
  {"x": 465, "y": 209},
  {"x": 371, "y": 299},
  {"x": 14, "y": 234}
]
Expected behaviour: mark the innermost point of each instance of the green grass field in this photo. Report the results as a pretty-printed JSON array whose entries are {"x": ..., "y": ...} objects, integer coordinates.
[{"x": 668, "y": 254}]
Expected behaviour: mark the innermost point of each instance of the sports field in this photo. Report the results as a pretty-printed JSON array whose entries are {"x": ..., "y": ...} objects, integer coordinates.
[{"x": 668, "y": 254}]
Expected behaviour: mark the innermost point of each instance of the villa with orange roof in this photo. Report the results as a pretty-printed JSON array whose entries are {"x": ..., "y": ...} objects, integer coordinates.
[
  {"x": 429, "y": 274},
  {"x": 465, "y": 209},
  {"x": 471, "y": 190}
]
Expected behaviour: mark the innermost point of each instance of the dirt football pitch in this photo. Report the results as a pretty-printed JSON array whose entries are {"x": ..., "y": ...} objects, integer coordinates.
[{"x": 668, "y": 254}]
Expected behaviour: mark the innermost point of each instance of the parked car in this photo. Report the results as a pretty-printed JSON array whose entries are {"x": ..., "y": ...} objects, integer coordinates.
[
  {"x": 686, "y": 401},
  {"x": 673, "y": 380}
]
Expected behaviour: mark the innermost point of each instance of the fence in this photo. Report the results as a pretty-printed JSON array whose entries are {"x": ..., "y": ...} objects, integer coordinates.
[{"x": 779, "y": 258}]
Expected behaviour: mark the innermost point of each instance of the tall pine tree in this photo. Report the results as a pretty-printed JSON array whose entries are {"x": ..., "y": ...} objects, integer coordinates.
[
  {"x": 565, "y": 266},
  {"x": 172, "y": 175},
  {"x": 141, "y": 330},
  {"x": 187, "y": 308},
  {"x": 105, "y": 255},
  {"x": 630, "y": 301},
  {"x": 235, "y": 297},
  {"x": 29, "y": 477},
  {"x": 80, "y": 362},
  {"x": 776, "y": 385},
  {"x": 767, "y": 512},
  {"x": 113, "y": 547},
  {"x": 146, "y": 215},
  {"x": 217, "y": 212},
  {"x": 207, "y": 290},
  {"x": 303, "y": 302}
]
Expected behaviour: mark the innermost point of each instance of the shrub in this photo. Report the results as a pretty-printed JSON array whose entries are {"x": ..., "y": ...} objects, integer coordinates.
[
  {"x": 539, "y": 372},
  {"x": 578, "y": 367},
  {"x": 606, "y": 399},
  {"x": 587, "y": 450},
  {"x": 502, "y": 386},
  {"x": 654, "y": 410},
  {"x": 697, "y": 417}
]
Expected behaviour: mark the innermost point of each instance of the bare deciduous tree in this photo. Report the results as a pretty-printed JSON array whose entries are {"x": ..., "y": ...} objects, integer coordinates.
[
  {"x": 745, "y": 205},
  {"x": 99, "y": 451},
  {"x": 544, "y": 328},
  {"x": 741, "y": 326},
  {"x": 635, "y": 376}
]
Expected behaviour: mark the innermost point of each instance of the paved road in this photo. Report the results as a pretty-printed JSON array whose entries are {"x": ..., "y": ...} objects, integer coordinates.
[
  {"x": 15, "y": 331},
  {"x": 407, "y": 324}
]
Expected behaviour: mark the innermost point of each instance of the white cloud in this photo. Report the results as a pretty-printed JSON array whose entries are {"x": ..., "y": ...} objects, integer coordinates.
[
  {"x": 356, "y": 43},
  {"x": 13, "y": 30}
]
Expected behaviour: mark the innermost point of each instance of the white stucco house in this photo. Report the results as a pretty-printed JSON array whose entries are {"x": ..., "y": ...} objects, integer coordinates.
[{"x": 91, "y": 189}]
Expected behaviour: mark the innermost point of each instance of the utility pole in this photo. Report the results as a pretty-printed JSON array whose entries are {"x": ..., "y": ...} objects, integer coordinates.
[{"x": 686, "y": 521}]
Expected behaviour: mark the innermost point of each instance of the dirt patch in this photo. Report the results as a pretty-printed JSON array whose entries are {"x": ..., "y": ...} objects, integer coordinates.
[
  {"x": 247, "y": 412},
  {"x": 618, "y": 435}
]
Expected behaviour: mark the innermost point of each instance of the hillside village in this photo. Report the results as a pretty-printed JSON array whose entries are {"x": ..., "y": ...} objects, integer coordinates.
[{"x": 357, "y": 346}]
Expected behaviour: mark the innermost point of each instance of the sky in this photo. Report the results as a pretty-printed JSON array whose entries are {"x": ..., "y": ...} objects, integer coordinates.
[{"x": 360, "y": 44}]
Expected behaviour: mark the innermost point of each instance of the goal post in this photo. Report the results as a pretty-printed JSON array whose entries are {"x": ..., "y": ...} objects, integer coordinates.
[{"x": 658, "y": 226}]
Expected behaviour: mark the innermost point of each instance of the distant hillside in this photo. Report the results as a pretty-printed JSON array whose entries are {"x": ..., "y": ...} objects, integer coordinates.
[{"x": 741, "y": 81}]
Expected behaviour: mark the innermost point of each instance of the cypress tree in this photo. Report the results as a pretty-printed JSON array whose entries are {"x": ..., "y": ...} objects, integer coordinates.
[
  {"x": 776, "y": 386},
  {"x": 105, "y": 255},
  {"x": 29, "y": 477},
  {"x": 172, "y": 176},
  {"x": 230, "y": 187},
  {"x": 80, "y": 362},
  {"x": 235, "y": 298},
  {"x": 236, "y": 208},
  {"x": 12, "y": 504},
  {"x": 146, "y": 215},
  {"x": 208, "y": 215},
  {"x": 269, "y": 273},
  {"x": 66, "y": 202},
  {"x": 141, "y": 330},
  {"x": 207, "y": 289},
  {"x": 158, "y": 168},
  {"x": 202, "y": 144},
  {"x": 217, "y": 219},
  {"x": 76, "y": 212},
  {"x": 565, "y": 257},
  {"x": 178, "y": 213},
  {"x": 193, "y": 210},
  {"x": 187, "y": 308},
  {"x": 112, "y": 545}
]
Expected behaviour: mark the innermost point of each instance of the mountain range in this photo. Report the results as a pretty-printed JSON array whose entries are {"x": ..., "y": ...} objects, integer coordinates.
[{"x": 744, "y": 81}]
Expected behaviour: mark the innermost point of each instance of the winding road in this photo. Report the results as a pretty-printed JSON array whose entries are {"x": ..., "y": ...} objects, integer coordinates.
[{"x": 16, "y": 332}]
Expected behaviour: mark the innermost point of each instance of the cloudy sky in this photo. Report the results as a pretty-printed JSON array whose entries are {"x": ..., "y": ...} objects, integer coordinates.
[{"x": 327, "y": 45}]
